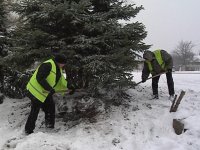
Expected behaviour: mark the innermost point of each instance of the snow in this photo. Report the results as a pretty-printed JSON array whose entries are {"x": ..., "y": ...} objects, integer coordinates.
[{"x": 140, "y": 125}]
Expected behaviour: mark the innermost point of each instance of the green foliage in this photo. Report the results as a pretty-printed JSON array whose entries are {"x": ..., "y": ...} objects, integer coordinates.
[
  {"x": 13, "y": 83},
  {"x": 87, "y": 31},
  {"x": 3, "y": 32}
]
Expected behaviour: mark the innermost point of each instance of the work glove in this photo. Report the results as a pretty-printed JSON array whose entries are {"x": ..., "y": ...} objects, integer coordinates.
[
  {"x": 143, "y": 80},
  {"x": 169, "y": 70},
  {"x": 71, "y": 88},
  {"x": 72, "y": 91},
  {"x": 52, "y": 91}
]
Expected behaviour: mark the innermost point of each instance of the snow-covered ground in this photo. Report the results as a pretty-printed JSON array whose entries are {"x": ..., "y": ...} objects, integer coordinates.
[{"x": 143, "y": 124}]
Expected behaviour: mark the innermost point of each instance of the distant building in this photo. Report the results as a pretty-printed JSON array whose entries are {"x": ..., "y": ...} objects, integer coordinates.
[{"x": 192, "y": 66}]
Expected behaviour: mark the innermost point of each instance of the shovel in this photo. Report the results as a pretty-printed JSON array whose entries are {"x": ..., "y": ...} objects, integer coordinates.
[
  {"x": 60, "y": 91},
  {"x": 151, "y": 77},
  {"x": 63, "y": 91}
]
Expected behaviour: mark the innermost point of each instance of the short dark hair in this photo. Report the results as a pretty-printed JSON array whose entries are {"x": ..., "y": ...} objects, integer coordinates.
[
  {"x": 148, "y": 55},
  {"x": 60, "y": 58}
]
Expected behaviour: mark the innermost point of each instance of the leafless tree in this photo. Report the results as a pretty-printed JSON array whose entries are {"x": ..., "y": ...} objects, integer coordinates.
[{"x": 183, "y": 53}]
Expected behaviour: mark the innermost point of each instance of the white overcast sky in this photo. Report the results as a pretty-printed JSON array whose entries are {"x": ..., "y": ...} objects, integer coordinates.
[{"x": 170, "y": 21}]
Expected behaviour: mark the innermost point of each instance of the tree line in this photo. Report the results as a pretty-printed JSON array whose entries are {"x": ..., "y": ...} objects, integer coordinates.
[{"x": 184, "y": 56}]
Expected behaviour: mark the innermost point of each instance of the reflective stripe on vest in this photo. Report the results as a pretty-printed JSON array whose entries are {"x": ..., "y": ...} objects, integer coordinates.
[
  {"x": 37, "y": 90},
  {"x": 159, "y": 59}
]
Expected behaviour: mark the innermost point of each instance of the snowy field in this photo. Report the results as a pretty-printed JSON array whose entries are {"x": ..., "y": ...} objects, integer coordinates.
[{"x": 143, "y": 124}]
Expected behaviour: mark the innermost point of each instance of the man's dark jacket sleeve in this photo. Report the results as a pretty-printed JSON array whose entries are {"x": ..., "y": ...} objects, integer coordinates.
[
  {"x": 43, "y": 72},
  {"x": 145, "y": 72}
]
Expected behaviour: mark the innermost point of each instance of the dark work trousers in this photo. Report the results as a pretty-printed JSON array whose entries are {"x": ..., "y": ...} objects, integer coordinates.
[
  {"x": 49, "y": 109},
  {"x": 170, "y": 84}
]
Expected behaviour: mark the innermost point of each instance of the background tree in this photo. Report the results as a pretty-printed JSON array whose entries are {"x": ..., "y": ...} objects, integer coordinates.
[{"x": 183, "y": 54}]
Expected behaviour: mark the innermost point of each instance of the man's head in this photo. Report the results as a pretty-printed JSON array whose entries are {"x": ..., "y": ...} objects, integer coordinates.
[
  {"x": 148, "y": 55},
  {"x": 60, "y": 59}
]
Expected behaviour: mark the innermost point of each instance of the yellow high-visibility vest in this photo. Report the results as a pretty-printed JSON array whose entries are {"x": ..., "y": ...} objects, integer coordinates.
[
  {"x": 38, "y": 91},
  {"x": 159, "y": 59}
]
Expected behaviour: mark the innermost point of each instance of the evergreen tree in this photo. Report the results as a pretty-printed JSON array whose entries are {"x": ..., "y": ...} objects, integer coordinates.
[
  {"x": 100, "y": 50},
  {"x": 3, "y": 49}
]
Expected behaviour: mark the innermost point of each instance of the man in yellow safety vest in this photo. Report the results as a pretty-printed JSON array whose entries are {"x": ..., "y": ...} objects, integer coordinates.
[
  {"x": 46, "y": 80},
  {"x": 155, "y": 63}
]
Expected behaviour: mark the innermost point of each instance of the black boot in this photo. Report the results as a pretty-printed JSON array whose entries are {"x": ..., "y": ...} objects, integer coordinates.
[
  {"x": 155, "y": 96},
  {"x": 28, "y": 132}
]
